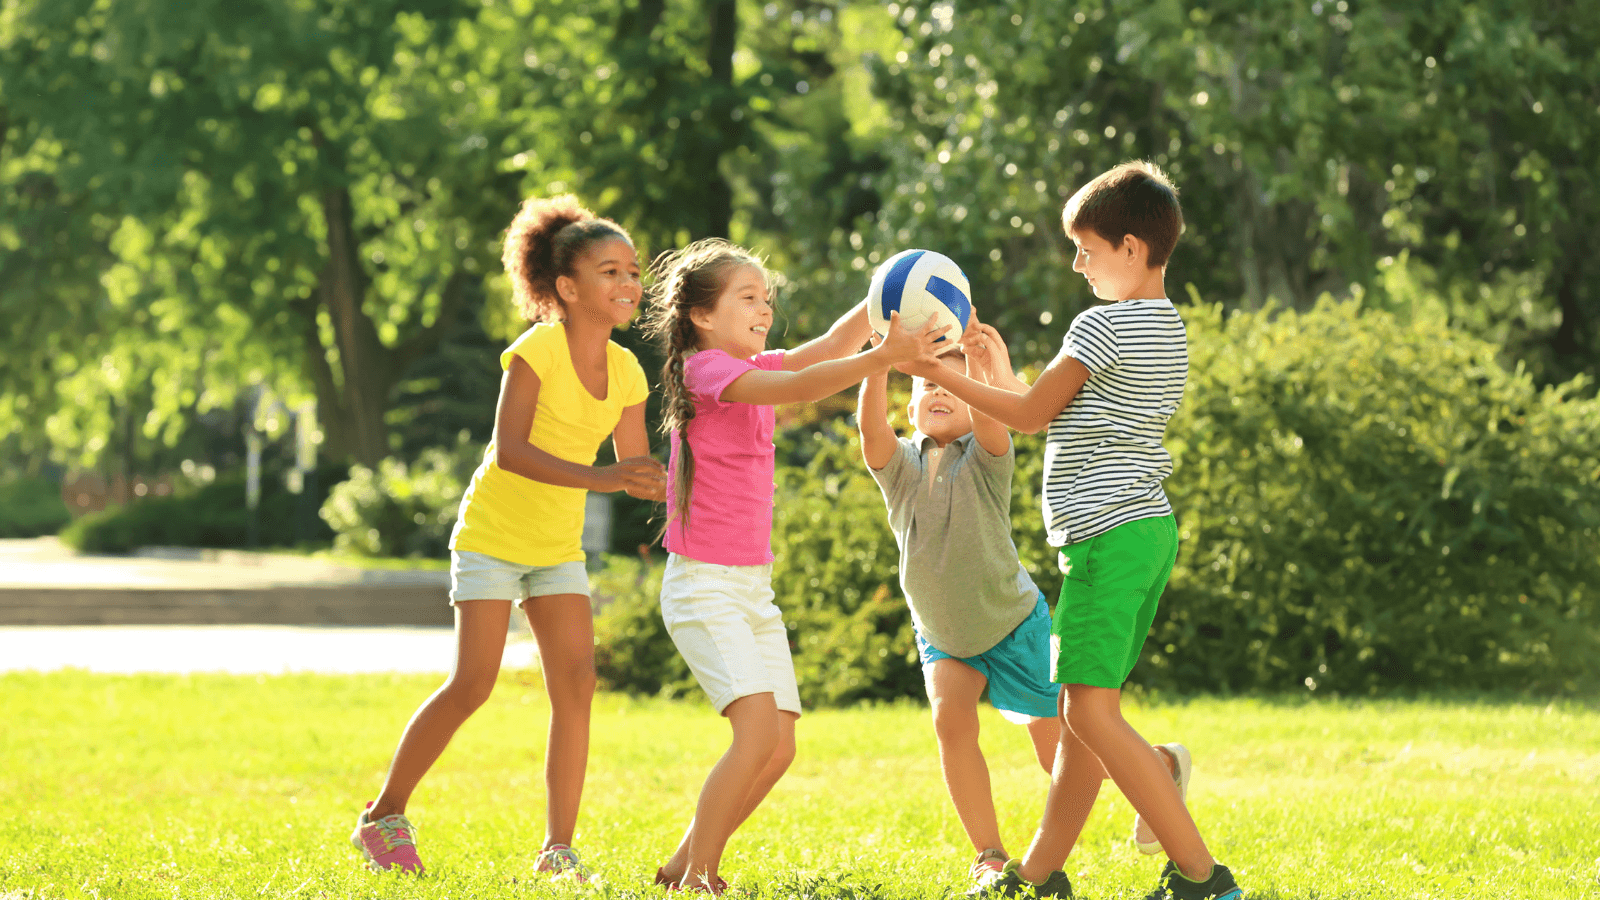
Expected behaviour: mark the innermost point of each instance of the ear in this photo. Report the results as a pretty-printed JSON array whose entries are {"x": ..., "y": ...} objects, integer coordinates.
[
  {"x": 701, "y": 317},
  {"x": 1134, "y": 250},
  {"x": 566, "y": 289}
]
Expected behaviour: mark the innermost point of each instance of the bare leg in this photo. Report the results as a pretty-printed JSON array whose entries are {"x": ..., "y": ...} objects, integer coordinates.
[
  {"x": 1045, "y": 734},
  {"x": 563, "y": 624},
  {"x": 953, "y": 691},
  {"x": 480, "y": 641},
  {"x": 1074, "y": 786},
  {"x": 776, "y": 766},
  {"x": 1095, "y": 717},
  {"x": 756, "y": 739}
]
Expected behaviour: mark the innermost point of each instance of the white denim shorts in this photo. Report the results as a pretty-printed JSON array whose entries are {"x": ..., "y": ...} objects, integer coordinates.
[
  {"x": 731, "y": 634},
  {"x": 478, "y": 576}
]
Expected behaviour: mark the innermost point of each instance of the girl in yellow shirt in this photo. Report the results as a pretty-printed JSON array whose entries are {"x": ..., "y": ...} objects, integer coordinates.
[{"x": 517, "y": 539}]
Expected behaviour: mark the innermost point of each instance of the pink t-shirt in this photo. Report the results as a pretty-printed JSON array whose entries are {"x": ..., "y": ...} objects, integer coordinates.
[{"x": 730, "y": 506}]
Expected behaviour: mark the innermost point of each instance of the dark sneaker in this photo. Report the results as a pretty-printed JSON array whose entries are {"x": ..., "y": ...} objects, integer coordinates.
[
  {"x": 1011, "y": 884},
  {"x": 1174, "y": 886}
]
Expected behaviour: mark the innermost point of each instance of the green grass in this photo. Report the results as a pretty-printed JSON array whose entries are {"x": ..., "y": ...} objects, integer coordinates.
[{"x": 220, "y": 786}]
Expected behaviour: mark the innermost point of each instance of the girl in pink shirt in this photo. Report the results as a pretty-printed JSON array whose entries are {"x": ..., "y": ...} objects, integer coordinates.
[{"x": 711, "y": 308}]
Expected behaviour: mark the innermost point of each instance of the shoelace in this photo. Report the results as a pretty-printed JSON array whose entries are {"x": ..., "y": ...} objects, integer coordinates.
[
  {"x": 394, "y": 835},
  {"x": 562, "y": 859}
]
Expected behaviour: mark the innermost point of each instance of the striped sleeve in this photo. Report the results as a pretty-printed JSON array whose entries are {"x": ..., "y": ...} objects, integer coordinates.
[{"x": 1092, "y": 340}]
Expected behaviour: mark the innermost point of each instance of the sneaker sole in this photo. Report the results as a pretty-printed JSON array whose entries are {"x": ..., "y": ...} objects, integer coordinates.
[{"x": 1180, "y": 755}]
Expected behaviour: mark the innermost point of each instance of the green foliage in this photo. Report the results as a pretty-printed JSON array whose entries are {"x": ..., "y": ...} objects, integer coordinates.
[
  {"x": 401, "y": 509},
  {"x": 210, "y": 515},
  {"x": 30, "y": 507},
  {"x": 1309, "y": 141},
  {"x": 1368, "y": 502},
  {"x": 633, "y": 651}
]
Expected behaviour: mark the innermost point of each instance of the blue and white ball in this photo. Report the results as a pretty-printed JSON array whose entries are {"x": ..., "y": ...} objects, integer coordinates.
[{"x": 923, "y": 286}]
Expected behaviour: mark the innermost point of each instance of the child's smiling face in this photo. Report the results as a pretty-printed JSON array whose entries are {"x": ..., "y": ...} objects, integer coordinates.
[
  {"x": 604, "y": 284},
  {"x": 935, "y": 411},
  {"x": 739, "y": 321}
]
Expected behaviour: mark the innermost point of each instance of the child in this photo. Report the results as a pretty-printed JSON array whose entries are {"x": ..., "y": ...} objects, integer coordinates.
[
  {"x": 517, "y": 540},
  {"x": 1106, "y": 399},
  {"x": 711, "y": 309},
  {"x": 979, "y": 619}
]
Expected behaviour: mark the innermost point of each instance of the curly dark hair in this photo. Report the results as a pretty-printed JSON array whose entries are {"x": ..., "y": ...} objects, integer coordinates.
[{"x": 542, "y": 242}]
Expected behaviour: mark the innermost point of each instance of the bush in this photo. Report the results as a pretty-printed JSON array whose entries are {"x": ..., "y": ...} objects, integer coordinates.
[
  {"x": 30, "y": 507},
  {"x": 1368, "y": 503},
  {"x": 211, "y": 515},
  {"x": 402, "y": 509},
  {"x": 633, "y": 651}
]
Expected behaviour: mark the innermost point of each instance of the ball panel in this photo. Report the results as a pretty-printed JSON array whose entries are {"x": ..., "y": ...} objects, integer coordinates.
[{"x": 894, "y": 280}]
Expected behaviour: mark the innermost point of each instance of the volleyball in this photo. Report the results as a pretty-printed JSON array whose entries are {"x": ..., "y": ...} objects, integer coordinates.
[{"x": 923, "y": 286}]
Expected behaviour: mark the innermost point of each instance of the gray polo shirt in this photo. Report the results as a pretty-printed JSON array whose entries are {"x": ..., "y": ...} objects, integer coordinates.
[{"x": 958, "y": 566}]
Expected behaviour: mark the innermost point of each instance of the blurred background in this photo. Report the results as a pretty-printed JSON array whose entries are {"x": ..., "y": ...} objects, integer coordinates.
[{"x": 249, "y": 262}]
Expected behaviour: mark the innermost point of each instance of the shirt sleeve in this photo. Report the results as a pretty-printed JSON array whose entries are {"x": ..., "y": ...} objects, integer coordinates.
[
  {"x": 635, "y": 388},
  {"x": 1092, "y": 341},
  {"x": 899, "y": 476},
  {"x": 708, "y": 373},
  {"x": 995, "y": 469},
  {"x": 535, "y": 349}
]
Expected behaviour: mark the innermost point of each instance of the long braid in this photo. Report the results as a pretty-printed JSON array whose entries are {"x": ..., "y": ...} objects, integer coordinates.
[{"x": 686, "y": 280}]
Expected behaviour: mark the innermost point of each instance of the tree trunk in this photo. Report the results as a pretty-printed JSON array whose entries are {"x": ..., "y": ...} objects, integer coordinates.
[
  {"x": 366, "y": 368},
  {"x": 724, "y": 18}
]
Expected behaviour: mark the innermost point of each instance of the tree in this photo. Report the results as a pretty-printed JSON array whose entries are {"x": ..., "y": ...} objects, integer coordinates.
[
  {"x": 310, "y": 188},
  {"x": 1313, "y": 143}
]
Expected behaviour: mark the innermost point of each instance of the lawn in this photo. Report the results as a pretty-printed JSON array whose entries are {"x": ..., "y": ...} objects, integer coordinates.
[{"x": 220, "y": 786}]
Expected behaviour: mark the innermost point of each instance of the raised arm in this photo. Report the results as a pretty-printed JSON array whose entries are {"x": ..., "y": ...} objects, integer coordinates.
[
  {"x": 844, "y": 338},
  {"x": 1028, "y": 412},
  {"x": 824, "y": 379},
  {"x": 878, "y": 441},
  {"x": 513, "y": 420},
  {"x": 991, "y": 434}
]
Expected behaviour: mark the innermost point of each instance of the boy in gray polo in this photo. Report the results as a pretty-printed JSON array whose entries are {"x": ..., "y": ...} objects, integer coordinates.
[{"x": 980, "y": 620}]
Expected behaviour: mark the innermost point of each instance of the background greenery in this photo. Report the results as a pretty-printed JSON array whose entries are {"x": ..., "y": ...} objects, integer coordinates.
[
  {"x": 214, "y": 213},
  {"x": 214, "y": 786}
]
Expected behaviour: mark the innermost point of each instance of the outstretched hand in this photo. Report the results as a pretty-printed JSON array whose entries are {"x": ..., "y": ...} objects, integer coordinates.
[
  {"x": 901, "y": 345},
  {"x": 983, "y": 345}
]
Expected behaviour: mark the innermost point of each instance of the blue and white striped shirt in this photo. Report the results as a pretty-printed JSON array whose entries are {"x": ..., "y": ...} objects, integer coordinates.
[{"x": 1103, "y": 459}]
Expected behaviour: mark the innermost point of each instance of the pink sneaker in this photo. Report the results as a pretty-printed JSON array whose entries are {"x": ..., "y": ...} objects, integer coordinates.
[{"x": 389, "y": 843}]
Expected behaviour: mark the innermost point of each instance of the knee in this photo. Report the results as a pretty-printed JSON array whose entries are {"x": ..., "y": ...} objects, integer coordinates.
[
  {"x": 782, "y": 753},
  {"x": 468, "y": 692},
  {"x": 571, "y": 682},
  {"x": 955, "y": 723}
]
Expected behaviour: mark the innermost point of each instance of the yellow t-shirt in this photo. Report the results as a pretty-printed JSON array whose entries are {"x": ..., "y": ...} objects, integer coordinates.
[{"x": 529, "y": 522}]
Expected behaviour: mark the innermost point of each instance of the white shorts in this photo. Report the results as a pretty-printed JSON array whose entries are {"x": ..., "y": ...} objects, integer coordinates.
[
  {"x": 724, "y": 622},
  {"x": 478, "y": 576}
]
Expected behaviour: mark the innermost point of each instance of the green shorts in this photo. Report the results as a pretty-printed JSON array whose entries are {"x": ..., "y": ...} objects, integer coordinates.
[{"x": 1108, "y": 601}]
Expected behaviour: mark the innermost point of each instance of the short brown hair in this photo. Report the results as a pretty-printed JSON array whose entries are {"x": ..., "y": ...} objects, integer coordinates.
[{"x": 1134, "y": 198}]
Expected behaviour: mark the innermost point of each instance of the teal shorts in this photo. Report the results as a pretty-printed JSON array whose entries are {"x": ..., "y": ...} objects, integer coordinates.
[
  {"x": 1108, "y": 601},
  {"x": 1016, "y": 668}
]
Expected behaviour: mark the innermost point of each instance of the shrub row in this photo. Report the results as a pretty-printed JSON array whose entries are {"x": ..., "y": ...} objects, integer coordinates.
[
  {"x": 30, "y": 507},
  {"x": 1367, "y": 502}
]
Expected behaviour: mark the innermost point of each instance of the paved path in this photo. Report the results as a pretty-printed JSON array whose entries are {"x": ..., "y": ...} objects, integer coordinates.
[{"x": 283, "y": 602}]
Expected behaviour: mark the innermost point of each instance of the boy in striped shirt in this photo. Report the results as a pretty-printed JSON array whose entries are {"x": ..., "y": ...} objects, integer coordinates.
[{"x": 1106, "y": 399}]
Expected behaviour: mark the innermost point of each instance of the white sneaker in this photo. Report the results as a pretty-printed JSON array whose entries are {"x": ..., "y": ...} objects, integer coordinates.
[{"x": 1143, "y": 837}]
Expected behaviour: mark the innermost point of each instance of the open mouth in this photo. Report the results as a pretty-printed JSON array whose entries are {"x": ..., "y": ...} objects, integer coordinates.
[
  {"x": 940, "y": 409},
  {"x": 759, "y": 329}
]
